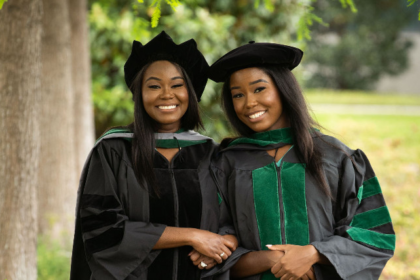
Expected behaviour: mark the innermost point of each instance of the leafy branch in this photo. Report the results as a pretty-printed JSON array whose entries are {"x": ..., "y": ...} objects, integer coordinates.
[
  {"x": 411, "y": 3},
  {"x": 1, "y": 3}
]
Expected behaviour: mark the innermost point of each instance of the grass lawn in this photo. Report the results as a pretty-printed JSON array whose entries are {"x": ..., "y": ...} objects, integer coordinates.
[{"x": 392, "y": 144}]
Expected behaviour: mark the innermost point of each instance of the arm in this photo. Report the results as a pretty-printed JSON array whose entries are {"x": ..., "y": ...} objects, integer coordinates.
[
  {"x": 255, "y": 262},
  {"x": 207, "y": 243},
  {"x": 363, "y": 234}
]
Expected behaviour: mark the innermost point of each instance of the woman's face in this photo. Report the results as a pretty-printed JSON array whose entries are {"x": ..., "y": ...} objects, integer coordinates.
[
  {"x": 256, "y": 100},
  {"x": 165, "y": 95}
]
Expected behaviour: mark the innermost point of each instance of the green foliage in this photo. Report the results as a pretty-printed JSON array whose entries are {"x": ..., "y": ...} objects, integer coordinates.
[
  {"x": 217, "y": 25},
  {"x": 53, "y": 260},
  {"x": 357, "y": 48},
  {"x": 2, "y": 3},
  {"x": 411, "y": 3}
]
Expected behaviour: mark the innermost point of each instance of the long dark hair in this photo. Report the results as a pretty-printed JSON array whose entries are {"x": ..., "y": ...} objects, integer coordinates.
[
  {"x": 143, "y": 144},
  {"x": 296, "y": 110}
]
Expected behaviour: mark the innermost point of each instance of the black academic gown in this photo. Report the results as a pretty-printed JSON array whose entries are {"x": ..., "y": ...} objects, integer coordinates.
[
  {"x": 266, "y": 204},
  {"x": 118, "y": 222}
]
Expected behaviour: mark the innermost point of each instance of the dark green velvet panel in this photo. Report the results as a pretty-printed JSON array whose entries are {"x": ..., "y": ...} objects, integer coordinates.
[
  {"x": 294, "y": 203},
  {"x": 371, "y": 187},
  {"x": 373, "y": 238},
  {"x": 267, "y": 209},
  {"x": 371, "y": 218},
  {"x": 283, "y": 135}
]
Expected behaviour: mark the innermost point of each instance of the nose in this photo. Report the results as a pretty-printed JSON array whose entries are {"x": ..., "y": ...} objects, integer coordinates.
[
  {"x": 167, "y": 93},
  {"x": 251, "y": 101}
]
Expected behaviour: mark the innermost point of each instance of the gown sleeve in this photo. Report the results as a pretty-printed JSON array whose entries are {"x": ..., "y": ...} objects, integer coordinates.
[
  {"x": 226, "y": 226},
  {"x": 114, "y": 245},
  {"x": 363, "y": 239}
]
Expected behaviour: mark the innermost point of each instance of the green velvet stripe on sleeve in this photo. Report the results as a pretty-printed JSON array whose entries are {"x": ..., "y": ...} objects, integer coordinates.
[
  {"x": 267, "y": 209},
  {"x": 371, "y": 218},
  {"x": 371, "y": 187},
  {"x": 373, "y": 238},
  {"x": 219, "y": 198},
  {"x": 294, "y": 203}
]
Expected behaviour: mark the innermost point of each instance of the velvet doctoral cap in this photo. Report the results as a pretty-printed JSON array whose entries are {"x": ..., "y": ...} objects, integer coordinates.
[
  {"x": 162, "y": 47},
  {"x": 254, "y": 55}
]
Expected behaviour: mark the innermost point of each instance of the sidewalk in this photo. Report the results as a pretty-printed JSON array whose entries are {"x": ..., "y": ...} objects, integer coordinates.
[{"x": 362, "y": 109}]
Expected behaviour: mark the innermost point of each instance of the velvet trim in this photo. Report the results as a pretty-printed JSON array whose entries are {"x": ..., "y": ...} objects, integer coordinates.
[
  {"x": 175, "y": 143},
  {"x": 98, "y": 201},
  {"x": 294, "y": 203},
  {"x": 98, "y": 221},
  {"x": 114, "y": 130},
  {"x": 371, "y": 187},
  {"x": 106, "y": 240},
  {"x": 372, "y": 218},
  {"x": 283, "y": 135},
  {"x": 219, "y": 198},
  {"x": 267, "y": 208},
  {"x": 373, "y": 238}
]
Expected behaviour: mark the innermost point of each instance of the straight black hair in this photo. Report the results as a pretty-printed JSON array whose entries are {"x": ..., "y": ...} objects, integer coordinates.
[
  {"x": 297, "y": 113},
  {"x": 143, "y": 144}
]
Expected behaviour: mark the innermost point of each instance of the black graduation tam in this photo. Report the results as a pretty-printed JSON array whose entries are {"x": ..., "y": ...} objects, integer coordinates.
[
  {"x": 254, "y": 54},
  {"x": 162, "y": 47}
]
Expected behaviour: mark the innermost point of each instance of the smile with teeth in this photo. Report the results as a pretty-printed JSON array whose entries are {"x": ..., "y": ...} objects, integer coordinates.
[
  {"x": 167, "y": 107},
  {"x": 256, "y": 115}
]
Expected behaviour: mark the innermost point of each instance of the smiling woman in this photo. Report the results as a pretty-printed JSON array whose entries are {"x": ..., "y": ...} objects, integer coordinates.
[
  {"x": 146, "y": 197},
  {"x": 165, "y": 95},
  {"x": 302, "y": 204}
]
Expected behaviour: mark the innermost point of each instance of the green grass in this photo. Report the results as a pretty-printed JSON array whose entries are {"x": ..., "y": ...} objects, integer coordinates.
[
  {"x": 358, "y": 97},
  {"x": 392, "y": 146}
]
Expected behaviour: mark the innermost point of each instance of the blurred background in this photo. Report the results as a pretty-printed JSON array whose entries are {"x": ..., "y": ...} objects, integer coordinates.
[{"x": 62, "y": 85}]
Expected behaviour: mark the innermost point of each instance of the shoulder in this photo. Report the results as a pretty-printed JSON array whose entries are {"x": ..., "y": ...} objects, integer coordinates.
[
  {"x": 332, "y": 149},
  {"x": 114, "y": 148}
]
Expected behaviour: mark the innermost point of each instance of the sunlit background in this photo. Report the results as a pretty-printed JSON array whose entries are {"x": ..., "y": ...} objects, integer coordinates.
[{"x": 360, "y": 75}]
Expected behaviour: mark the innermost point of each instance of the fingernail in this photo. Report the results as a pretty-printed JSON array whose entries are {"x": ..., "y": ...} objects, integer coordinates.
[{"x": 268, "y": 245}]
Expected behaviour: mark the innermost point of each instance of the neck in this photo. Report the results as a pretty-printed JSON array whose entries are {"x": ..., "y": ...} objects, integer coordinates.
[{"x": 168, "y": 128}]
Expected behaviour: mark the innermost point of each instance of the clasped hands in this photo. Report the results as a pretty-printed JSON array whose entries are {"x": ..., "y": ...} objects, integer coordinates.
[
  {"x": 295, "y": 262},
  {"x": 212, "y": 250}
]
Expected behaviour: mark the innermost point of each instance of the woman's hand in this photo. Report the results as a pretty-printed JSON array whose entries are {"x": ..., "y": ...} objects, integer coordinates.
[
  {"x": 309, "y": 275},
  {"x": 233, "y": 239},
  {"x": 297, "y": 261},
  {"x": 198, "y": 258},
  {"x": 211, "y": 245}
]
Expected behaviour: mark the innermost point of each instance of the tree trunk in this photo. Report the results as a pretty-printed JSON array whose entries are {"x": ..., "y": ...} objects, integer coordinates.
[
  {"x": 81, "y": 74},
  {"x": 20, "y": 54},
  {"x": 57, "y": 171}
]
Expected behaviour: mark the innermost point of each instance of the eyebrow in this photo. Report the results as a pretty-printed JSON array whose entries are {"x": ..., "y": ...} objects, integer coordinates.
[
  {"x": 157, "y": 79},
  {"x": 252, "y": 83}
]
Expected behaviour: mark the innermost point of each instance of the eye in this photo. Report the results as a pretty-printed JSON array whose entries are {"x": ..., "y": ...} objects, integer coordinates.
[
  {"x": 259, "y": 89},
  {"x": 237, "y": 95},
  {"x": 154, "y": 87},
  {"x": 177, "y": 85}
]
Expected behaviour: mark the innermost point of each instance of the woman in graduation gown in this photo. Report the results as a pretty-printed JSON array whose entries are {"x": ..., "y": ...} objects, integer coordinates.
[
  {"x": 301, "y": 202},
  {"x": 146, "y": 196}
]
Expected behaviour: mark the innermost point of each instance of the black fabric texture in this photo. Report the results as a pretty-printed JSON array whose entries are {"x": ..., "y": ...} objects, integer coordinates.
[
  {"x": 98, "y": 201},
  {"x": 109, "y": 238},
  {"x": 254, "y": 55},
  {"x": 94, "y": 222},
  {"x": 162, "y": 47}
]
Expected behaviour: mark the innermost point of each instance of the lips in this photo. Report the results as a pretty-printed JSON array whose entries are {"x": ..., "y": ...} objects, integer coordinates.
[{"x": 257, "y": 114}]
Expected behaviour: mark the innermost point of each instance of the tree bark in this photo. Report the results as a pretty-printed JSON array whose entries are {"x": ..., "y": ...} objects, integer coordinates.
[
  {"x": 20, "y": 53},
  {"x": 81, "y": 75},
  {"x": 57, "y": 172}
]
